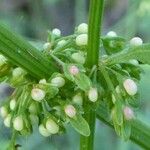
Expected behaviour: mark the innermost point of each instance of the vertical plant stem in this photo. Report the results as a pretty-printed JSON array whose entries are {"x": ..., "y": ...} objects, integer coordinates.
[{"x": 94, "y": 30}]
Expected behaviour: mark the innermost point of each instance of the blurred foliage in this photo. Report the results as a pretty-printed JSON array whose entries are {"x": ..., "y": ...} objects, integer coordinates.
[{"x": 32, "y": 18}]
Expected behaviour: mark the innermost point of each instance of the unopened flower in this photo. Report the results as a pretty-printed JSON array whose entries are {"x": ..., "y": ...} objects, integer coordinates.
[
  {"x": 42, "y": 81},
  {"x": 134, "y": 62},
  {"x": 78, "y": 58},
  {"x": 82, "y": 28},
  {"x": 62, "y": 42},
  {"x": 17, "y": 72},
  {"x": 117, "y": 89},
  {"x": 77, "y": 99},
  {"x": 18, "y": 123},
  {"x": 56, "y": 32},
  {"x": 70, "y": 111},
  {"x": 128, "y": 113},
  {"x": 136, "y": 41},
  {"x": 43, "y": 131},
  {"x": 3, "y": 111},
  {"x": 52, "y": 126},
  {"x": 74, "y": 70},
  {"x": 33, "y": 108},
  {"x": 58, "y": 82},
  {"x": 82, "y": 39},
  {"x": 7, "y": 120},
  {"x": 130, "y": 87},
  {"x": 47, "y": 46},
  {"x": 37, "y": 94},
  {"x": 12, "y": 104},
  {"x": 93, "y": 94},
  {"x": 3, "y": 60},
  {"x": 112, "y": 34}
]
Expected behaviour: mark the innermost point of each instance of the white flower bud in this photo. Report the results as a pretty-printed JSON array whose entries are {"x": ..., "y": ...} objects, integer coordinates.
[
  {"x": 136, "y": 41},
  {"x": 18, "y": 123},
  {"x": 7, "y": 120},
  {"x": 70, "y": 111},
  {"x": 47, "y": 46},
  {"x": 51, "y": 126},
  {"x": 3, "y": 60},
  {"x": 78, "y": 58},
  {"x": 56, "y": 32},
  {"x": 17, "y": 72},
  {"x": 134, "y": 62},
  {"x": 82, "y": 39},
  {"x": 77, "y": 99},
  {"x": 42, "y": 81},
  {"x": 12, "y": 104},
  {"x": 128, "y": 113},
  {"x": 43, "y": 131},
  {"x": 112, "y": 34},
  {"x": 33, "y": 108},
  {"x": 58, "y": 82},
  {"x": 82, "y": 28},
  {"x": 3, "y": 111},
  {"x": 74, "y": 70},
  {"x": 62, "y": 42},
  {"x": 93, "y": 94},
  {"x": 130, "y": 87},
  {"x": 37, "y": 94}
]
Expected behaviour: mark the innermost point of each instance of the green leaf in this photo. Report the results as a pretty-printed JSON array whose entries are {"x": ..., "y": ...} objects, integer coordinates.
[
  {"x": 141, "y": 53},
  {"x": 113, "y": 44},
  {"x": 80, "y": 125}
]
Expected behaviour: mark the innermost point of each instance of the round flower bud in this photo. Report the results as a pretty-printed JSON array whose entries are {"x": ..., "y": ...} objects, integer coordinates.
[
  {"x": 42, "y": 81},
  {"x": 58, "y": 82},
  {"x": 3, "y": 111},
  {"x": 33, "y": 108},
  {"x": 134, "y": 62},
  {"x": 7, "y": 120},
  {"x": 112, "y": 34},
  {"x": 78, "y": 58},
  {"x": 51, "y": 126},
  {"x": 128, "y": 113},
  {"x": 12, "y": 104},
  {"x": 62, "y": 42},
  {"x": 77, "y": 99},
  {"x": 130, "y": 87},
  {"x": 136, "y": 41},
  {"x": 37, "y": 94},
  {"x": 3, "y": 60},
  {"x": 93, "y": 95},
  {"x": 82, "y": 28},
  {"x": 74, "y": 70},
  {"x": 47, "y": 46},
  {"x": 70, "y": 111},
  {"x": 56, "y": 32},
  {"x": 17, "y": 72},
  {"x": 117, "y": 89},
  {"x": 18, "y": 123},
  {"x": 43, "y": 131},
  {"x": 82, "y": 39}
]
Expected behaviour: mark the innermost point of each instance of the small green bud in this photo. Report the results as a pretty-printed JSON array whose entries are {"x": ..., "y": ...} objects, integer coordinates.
[
  {"x": 134, "y": 62},
  {"x": 51, "y": 126},
  {"x": 70, "y": 111},
  {"x": 34, "y": 118},
  {"x": 7, "y": 121},
  {"x": 47, "y": 46},
  {"x": 37, "y": 94},
  {"x": 42, "y": 81},
  {"x": 3, "y": 111},
  {"x": 82, "y": 28},
  {"x": 18, "y": 123},
  {"x": 17, "y": 72},
  {"x": 3, "y": 60},
  {"x": 77, "y": 99},
  {"x": 113, "y": 98},
  {"x": 56, "y": 32},
  {"x": 33, "y": 108},
  {"x": 93, "y": 94},
  {"x": 12, "y": 104},
  {"x": 82, "y": 39},
  {"x": 58, "y": 82},
  {"x": 62, "y": 42},
  {"x": 78, "y": 58},
  {"x": 136, "y": 41},
  {"x": 43, "y": 131}
]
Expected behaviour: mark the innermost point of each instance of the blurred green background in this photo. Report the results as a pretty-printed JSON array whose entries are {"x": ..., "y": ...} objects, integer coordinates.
[{"x": 32, "y": 19}]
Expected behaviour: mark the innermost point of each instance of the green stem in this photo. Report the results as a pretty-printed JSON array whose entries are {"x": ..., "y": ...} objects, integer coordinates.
[{"x": 94, "y": 30}]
